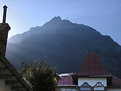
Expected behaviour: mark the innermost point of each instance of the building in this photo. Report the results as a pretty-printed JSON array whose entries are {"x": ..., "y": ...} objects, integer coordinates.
[
  {"x": 10, "y": 80},
  {"x": 91, "y": 77}
]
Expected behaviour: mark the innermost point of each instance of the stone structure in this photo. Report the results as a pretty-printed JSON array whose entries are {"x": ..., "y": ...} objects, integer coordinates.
[
  {"x": 4, "y": 28},
  {"x": 10, "y": 79}
]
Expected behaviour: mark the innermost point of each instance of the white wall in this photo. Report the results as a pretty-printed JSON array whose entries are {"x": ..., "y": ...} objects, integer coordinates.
[
  {"x": 98, "y": 88},
  {"x": 114, "y": 89},
  {"x": 92, "y": 81},
  {"x": 3, "y": 87}
]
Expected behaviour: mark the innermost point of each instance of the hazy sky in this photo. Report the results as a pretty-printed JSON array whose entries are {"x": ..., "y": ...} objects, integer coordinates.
[{"x": 103, "y": 15}]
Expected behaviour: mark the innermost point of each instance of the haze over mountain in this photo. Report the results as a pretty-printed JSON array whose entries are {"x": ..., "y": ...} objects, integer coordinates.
[{"x": 64, "y": 44}]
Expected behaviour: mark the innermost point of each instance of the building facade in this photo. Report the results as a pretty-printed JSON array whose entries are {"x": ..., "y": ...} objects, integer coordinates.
[{"x": 91, "y": 77}]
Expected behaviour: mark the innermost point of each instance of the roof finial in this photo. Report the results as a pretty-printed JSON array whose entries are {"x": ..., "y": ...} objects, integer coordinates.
[
  {"x": 67, "y": 18},
  {"x": 4, "y": 13}
]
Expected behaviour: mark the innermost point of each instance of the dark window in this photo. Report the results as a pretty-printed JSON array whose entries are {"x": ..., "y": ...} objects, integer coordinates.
[
  {"x": 85, "y": 87},
  {"x": 98, "y": 87}
]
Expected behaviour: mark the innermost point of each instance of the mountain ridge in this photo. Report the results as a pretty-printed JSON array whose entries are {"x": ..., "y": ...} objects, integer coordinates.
[{"x": 61, "y": 42}]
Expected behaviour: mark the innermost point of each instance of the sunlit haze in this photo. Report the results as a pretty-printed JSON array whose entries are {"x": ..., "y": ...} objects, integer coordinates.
[{"x": 103, "y": 15}]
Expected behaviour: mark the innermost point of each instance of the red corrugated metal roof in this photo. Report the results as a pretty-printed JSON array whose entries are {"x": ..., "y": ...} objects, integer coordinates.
[
  {"x": 92, "y": 66},
  {"x": 116, "y": 81},
  {"x": 66, "y": 81}
]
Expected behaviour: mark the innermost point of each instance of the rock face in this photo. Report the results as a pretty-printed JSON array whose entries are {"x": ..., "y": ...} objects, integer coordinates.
[{"x": 64, "y": 44}]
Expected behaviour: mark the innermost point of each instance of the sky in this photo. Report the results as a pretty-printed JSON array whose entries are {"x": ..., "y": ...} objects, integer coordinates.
[{"x": 102, "y": 15}]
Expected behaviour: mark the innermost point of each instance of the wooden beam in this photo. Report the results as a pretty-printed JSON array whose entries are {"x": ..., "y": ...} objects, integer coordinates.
[
  {"x": 11, "y": 82},
  {"x": 16, "y": 87},
  {"x": 5, "y": 76}
]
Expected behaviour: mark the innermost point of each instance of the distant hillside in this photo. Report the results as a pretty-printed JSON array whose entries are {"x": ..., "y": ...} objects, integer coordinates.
[{"x": 64, "y": 44}]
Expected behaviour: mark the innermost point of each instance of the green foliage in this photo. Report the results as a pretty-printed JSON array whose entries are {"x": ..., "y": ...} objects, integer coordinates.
[{"x": 40, "y": 76}]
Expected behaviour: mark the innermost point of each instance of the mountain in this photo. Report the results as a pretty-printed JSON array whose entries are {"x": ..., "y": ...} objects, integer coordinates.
[{"x": 64, "y": 44}]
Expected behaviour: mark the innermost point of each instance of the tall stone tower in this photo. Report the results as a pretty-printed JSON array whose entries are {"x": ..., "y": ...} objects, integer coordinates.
[{"x": 4, "y": 28}]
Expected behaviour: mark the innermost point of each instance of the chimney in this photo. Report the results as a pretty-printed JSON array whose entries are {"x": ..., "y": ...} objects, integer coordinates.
[{"x": 4, "y": 28}]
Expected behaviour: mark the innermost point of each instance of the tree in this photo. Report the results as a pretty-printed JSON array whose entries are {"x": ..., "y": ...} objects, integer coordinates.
[{"x": 40, "y": 76}]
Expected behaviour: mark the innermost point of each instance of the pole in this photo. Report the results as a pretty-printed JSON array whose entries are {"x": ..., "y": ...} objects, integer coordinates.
[{"x": 4, "y": 13}]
